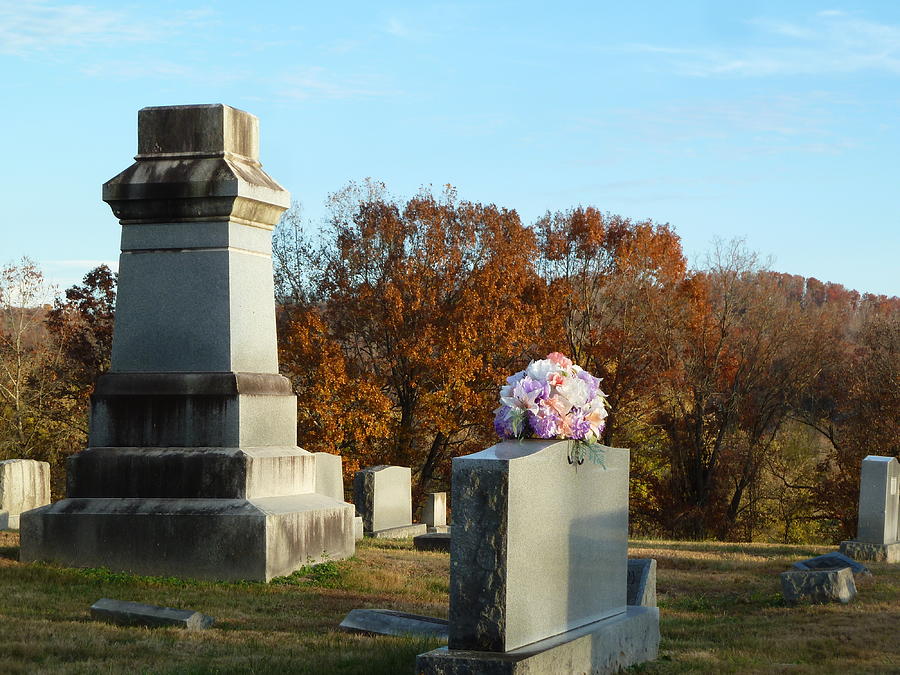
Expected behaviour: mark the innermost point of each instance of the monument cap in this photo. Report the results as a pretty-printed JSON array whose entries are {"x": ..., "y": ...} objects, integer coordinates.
[{"x": 208, "y": 130}]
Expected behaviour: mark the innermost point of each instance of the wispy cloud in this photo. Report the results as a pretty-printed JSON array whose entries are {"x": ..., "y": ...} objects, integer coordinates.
[
  {"x": 830, "y": 41},
  {"x": 316, "y": 83},
  {"x": 29, "y": 27}
]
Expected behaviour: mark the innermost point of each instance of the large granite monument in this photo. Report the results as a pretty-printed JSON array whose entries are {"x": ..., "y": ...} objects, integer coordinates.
[
  {"x": 193, "y": 467},
  {"x": 878, "y": 528},
  {"x": 538, "y": 565}
]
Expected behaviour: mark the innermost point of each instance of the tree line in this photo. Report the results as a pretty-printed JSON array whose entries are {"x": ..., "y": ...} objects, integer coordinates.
[{"x": 748, "y": 397}]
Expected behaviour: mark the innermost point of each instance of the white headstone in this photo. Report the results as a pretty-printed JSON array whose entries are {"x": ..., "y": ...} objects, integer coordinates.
[
  {"x": 383, "y": 497},
  {"x": 24, "y": 485},
  {"x": 434, "y": 513}
]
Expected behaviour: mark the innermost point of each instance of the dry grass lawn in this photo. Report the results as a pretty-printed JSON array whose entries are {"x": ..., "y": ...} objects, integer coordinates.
[{"x": 720, "y": 605}]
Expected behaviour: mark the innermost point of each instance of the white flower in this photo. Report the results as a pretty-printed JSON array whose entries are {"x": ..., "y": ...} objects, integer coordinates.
[
  {"x": 575, "y": 391},
  {"x": 538, "y": 370}
]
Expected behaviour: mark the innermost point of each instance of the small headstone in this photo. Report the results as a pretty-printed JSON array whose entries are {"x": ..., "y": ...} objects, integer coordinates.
[
  {"x": 434, "y": 513},
  {"x": 138, "y": 614},
  {"x": 358, "y": 531},
  {"x": 24, "y": 485},
  {"x": 329, "y": 475},
  {"x": 383, "y": 497},
  {"x": 878, "y": 526},
  {"x": 642, "y": 582},
  {"x": 818, "y": 586},
  {"x": 432, "y": 541},
  {"x": 833, "y": 561},
  {"x": 389, "y": 622}
]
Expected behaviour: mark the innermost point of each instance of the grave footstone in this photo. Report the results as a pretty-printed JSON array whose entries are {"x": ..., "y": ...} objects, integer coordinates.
[
  {"x": 24, "y": 485},
  {"x": 390, "y": 622},
  {"x": 432, "y": 541},
  {"x": 818, "y": 586},
  {"x": 193, "y": 467},
  {"x": 125, "y": 613},
  {"x": 833, "y": 561},
  {"x": 878, "y": 526},
  {"x": 538, "y": 565},
  {"x": 434, "y": 512},
  {"x": 383, "y": 498}
]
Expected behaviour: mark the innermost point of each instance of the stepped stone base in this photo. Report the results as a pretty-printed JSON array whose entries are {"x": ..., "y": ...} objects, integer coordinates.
[
  {"x": 605, "y": 646},
  {"x": 861, "y": 550},
  {"x": 401, "y": 532},
  {"x": 218, "y": 539}
]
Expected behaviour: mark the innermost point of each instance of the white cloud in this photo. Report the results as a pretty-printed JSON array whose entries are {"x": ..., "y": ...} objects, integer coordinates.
[
  {"x": 29, "y": 27},
  {"x": 314, "y": 82},
  {"x": 828, "y": 42}
]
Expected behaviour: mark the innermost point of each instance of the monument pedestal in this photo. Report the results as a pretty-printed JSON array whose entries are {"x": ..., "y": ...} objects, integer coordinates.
[
  {"x": 193, "y": 467},
  {"x": 866, "y": 551},
  {"x": 605, "y": 646}
]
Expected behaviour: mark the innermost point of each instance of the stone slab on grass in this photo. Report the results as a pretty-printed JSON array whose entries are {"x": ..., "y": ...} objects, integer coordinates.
[
  {"x": 833, "y": 561},
  {"x": 433, "y": 541},
  {"x": 402, "y": 532},
  {"x": 818, "y": 586},
  {"x": 390, "y": 622},
  {"x": 125, "y": 613}
]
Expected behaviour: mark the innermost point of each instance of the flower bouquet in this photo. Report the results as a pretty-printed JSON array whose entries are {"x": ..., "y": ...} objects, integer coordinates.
[{"x": 554, "y": 398}]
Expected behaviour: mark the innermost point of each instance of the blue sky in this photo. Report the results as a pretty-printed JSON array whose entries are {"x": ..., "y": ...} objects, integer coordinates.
[{"x": 770, "y": 121}]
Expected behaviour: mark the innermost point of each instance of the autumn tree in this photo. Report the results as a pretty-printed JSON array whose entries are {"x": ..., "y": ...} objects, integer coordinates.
[{"x": 413, "y": 312}]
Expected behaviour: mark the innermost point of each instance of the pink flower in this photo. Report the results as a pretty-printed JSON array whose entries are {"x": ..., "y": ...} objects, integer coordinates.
[
  {"x": 562, "y": 361},
  {"x": 555, "y": 379}
]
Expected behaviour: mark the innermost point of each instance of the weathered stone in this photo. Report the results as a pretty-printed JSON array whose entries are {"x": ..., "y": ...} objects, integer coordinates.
[
  {"x": 383, "y": 497},
  {"x": 434, "y": 513},
  {"x": 138, "y": 614},
  {"x": 194, "y": 468},
  {"x": 24, "y": 485},
  {"x": 642, "y": 582},
  {"x": 606, "y": 646},
  {"x": 818, "y": 586},
  {"x": 879, "y": 501},
  {"x": 389, "y": 622},
  {"x": 531, "y": 534},
  {"x": 860, "y": 550},
  {"x": 833, "y": 561},
  {"x": 329, "y": 475},
  {"x": 432, "y": 541},
  {"x": 358, "y": 532}
]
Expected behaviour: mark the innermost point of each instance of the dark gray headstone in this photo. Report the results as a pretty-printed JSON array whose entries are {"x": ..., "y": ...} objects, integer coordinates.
[
  {"x": 433, "y": 541},
  {"x": 833, "y": 561},
  {"x": 138, "y": 614},
  {"x": 389, "y": 622},
  {"x": 642, "y": 582},
  {"x": 818, "y": 586}
]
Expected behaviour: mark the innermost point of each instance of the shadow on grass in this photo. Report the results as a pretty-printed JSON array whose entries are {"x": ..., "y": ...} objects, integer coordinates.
[{"x": 9, "y": 552}]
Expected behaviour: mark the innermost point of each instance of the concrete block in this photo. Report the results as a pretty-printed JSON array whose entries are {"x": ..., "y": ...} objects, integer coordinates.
[
  {"x": 383, "y": 497},
  {"x": 434, "y": 513},
  {"x": 539, "y": 544},
  {"x": 138, "y": 614},
  {"x": 24, "y": 485},
  {"x": 605, "y": 646},
  {"x": 818, "y": 586},
  {"x": 642, "y": 582},
  {"x": 217, "y": 539},
  {"x": 389, "y": 622}
]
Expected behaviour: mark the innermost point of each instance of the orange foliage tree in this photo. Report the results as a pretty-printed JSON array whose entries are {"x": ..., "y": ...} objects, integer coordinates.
[{"x": 410, "y": 315}]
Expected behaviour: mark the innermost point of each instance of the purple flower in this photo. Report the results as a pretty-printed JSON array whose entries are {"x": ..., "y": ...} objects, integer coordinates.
[
  {"x": 508, "y": 422},
  {"x": 579, "y": 427},
  {"x": 545, "y": 424}
]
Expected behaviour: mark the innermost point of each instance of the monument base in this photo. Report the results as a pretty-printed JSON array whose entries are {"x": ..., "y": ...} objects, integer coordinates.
[
  {"x": 401, "y": 532},
  {"x": 217, "y": 539},
  {"x": 605, "y": 646},
  {"x": 861, "y": 550}
]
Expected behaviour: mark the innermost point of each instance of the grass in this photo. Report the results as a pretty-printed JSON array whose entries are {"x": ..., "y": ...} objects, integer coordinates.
[{"x": 721, "y": 611}]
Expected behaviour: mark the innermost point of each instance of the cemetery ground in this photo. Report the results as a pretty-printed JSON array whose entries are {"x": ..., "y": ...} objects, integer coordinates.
[{"x": 721, "y": 611}]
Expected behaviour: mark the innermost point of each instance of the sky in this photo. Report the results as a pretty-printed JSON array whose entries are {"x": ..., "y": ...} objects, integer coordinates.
[{"x": 772, "y": 122}]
